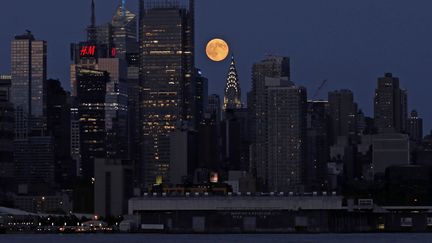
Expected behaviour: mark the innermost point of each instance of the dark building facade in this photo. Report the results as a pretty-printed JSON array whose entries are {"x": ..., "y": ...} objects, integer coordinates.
[
  {"x": 286, "y": 137},
  {"x": 415, "y": 127},
  {"x": 343, "y": 114},
  {"x": 91, "y": 87},
  {"x": 235, "y": 139},
  {"x": 34, "y": 161},
  {"x": 6, "y": 134},
  {"x": 390, "y": 105},
  {"x": 124, "y": 32},
  {"x": 214, "y": 106},
  {"x": 201, "y": 95},
  {"x": 318, "y": 143},
  {"x": 59, "y": 127},
  {"x": 209, "y": 153},
  {"x": 167, "y": 82},
  {"x": 271, "y": 67}
]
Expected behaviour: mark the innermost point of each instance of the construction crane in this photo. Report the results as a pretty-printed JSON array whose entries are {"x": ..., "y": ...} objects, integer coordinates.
[{"x": 320, "y": 88}]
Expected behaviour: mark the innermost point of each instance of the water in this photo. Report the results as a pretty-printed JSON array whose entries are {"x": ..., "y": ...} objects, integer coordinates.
[{"x": 319, "y": 238}]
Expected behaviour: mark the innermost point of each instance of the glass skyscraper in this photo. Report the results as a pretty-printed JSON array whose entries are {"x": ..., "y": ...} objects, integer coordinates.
[
  {"x": 124, "y": 32},
  {"x": 167, "y": 82},
  {"x": 91, "y": 89},
  {"x": 28, "y": 91}
]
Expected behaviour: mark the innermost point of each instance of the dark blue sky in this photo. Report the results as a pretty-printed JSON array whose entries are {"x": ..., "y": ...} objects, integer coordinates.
[{"x": 350, "y": 43}]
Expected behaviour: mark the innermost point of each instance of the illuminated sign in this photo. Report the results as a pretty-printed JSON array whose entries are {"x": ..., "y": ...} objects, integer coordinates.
[
  {"x": 113, "y": 52},
  {"x": 88, "y": 51}
]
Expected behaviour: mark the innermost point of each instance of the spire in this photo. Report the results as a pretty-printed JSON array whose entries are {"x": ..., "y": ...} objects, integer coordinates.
[
  {"x": 124, "y": 8},
  {"x": 93, "y": 14},
  {"x": 91, "y": 30},
  {"x": 232, "y": 99}
]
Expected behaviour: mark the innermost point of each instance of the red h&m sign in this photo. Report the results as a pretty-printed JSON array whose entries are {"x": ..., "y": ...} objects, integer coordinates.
[{"x": 87, "y": 51}]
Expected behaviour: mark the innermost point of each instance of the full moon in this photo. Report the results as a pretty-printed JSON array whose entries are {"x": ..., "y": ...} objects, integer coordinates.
[{"x": 217, "y": 50}]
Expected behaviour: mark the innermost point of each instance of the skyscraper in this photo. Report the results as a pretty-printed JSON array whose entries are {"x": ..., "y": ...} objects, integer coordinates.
[
  {"x": 390, "y": 106},
  {"x": 28, "y": 91},
  {"x": 6, "y": 134},
  {"x": 232, "y": 99},
  {"x": 214, "y": 106},
  {"x": 318, "y": 142},
  {"x": 235, "y": 139},
  {"x": 116, "y": 107},
  {"x": 208, "y": 147},
  {"x": 286, "y": 136},
  {"x": 59, "y": 127},
  {"x": 201, "y": 95},
  {"x": 343, "y": 113},
  {"x": 168, "y": 81},
  {"x": 124, "y": 31},
  {"x": 5, "y": 85},
  {"x": 91, "y": 29},
  {"x": 91, "y": 90},
  {"x": 271, "y": 67},
  {"x": 415, "y": 127}
]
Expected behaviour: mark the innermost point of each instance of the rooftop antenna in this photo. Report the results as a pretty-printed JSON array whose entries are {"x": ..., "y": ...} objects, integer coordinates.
[
  {"x": 124, "y": 7},
  {"x": 93, "y": 15}
]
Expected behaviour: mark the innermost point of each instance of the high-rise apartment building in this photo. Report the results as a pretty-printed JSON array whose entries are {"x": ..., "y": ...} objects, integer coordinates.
[
  {"x": 343, "y": 113},
  {"x": 390, "y": 106},
  {"x": 271, "y": 67},
  {"x": 286, "y": 135},
  {"x": 167, "y": 82},
  {"x": 318, "y": 143},
  {"x": 415, "y": 127}
]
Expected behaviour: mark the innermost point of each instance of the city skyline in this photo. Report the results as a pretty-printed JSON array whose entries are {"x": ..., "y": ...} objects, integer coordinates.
[
  {"x": 316, "y": 125},
  {"x": 320, "y": 47}
]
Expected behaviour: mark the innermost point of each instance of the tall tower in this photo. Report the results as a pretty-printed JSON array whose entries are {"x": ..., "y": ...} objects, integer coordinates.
[
  {"x": 286, "y": 136},
  {"x": 390, "y": 106},
  {"x": 168, "y": 82},
  {"x": 92, "y": 29},
  {"x": 232, "y": 99},
  {"x": 28, "y": 90},
  {"x": 415, "y": 127},
  {"x": 343, "y": 113},
  {"x": 91, "y": 116},
  {"x": 124, "y": 31},
  {"x": 272, "y": 67}
]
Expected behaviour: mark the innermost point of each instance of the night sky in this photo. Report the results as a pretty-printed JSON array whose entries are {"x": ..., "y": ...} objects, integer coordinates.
[{"x": 350, "y": 43}]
